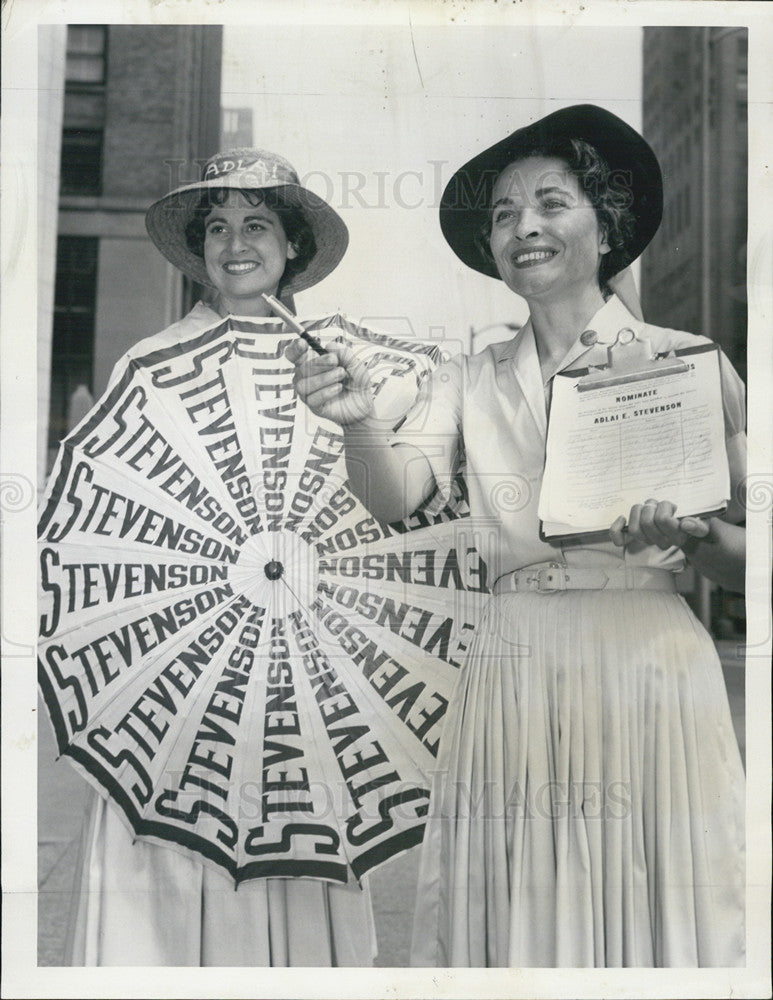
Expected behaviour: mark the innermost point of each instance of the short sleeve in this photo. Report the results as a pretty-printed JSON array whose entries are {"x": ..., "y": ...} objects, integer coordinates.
[
  {"x": 734, "y": 408},
  {"x": 734, "y": 413},
  {"x": 433, "y": 425},
  {"x": 733, "y": 398}
]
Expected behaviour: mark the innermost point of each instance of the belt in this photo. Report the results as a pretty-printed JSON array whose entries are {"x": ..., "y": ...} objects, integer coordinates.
[{"x": 549, "y": 577}]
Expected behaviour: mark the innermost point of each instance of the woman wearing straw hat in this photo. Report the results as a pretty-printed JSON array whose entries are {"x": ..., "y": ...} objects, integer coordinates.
[
  {"x": 246, "y": 229},
  {"x": 588, "y": 806}
]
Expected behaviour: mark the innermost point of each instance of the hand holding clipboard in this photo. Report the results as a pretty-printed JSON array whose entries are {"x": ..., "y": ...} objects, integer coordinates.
[{"x": 655, "y": 522}]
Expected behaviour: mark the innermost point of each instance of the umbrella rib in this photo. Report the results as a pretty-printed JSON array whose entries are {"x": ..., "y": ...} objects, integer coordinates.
[
  {"x": 174, "y": 641},
  {"x": 207, "y": 677},
  {"x": 149, "y": 602},
  {"x": 193, "y": 444},
  {"x": 253, "y": 723}
]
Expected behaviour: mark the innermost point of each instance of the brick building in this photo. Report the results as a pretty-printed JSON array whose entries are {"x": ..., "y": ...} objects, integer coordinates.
[
  {"x": 693, "y": 275},
  {"x": 694, "y": 114},
  {"x": 140, "y": 111}
]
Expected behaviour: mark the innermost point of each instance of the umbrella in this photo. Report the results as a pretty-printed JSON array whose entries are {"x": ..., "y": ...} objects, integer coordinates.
[{"x": 231, "y": 648}]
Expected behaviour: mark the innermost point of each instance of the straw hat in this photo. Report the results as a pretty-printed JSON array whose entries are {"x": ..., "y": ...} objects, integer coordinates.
[
  {"x": 467, "y": 197},
  {"x": 254, "y": 169}
]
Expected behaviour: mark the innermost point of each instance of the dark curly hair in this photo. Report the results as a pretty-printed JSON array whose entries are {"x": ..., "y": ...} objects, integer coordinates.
[
  {"x": 294, "y": 222},
  {"x": 608, "y": 192}
]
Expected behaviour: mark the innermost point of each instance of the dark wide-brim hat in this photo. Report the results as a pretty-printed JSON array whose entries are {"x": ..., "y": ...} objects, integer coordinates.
[
  {"x": 467, "y": 197},
  {"x": 256, "y": 170}
]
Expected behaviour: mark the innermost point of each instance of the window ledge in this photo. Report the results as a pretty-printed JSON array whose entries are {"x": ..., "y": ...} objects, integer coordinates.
[{"x": 81, "y": 203}]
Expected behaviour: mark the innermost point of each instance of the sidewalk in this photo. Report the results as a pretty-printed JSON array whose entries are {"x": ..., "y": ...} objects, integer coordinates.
[
  {"x": 61, "y": 802},
  {"x": 62, "y": 794}
]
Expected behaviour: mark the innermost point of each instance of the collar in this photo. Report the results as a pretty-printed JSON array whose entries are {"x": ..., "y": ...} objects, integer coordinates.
[
  {"x": 610, "y": 320},
  {"x": 612, "y": 317}
]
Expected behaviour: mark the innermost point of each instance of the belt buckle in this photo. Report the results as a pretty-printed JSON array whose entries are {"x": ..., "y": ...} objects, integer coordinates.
[{"x": 551, "y": 578}]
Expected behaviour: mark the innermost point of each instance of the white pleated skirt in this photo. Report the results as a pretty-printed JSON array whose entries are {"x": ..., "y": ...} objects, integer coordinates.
[
  {"x": 588, "y": 808},
  {"x": 140, "y": 904}
]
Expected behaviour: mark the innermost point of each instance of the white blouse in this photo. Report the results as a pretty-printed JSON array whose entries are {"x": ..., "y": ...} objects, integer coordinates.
[{"x": 489, "y": 411}]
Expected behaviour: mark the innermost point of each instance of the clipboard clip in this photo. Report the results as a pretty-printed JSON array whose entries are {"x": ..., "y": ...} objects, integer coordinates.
[{"x": 630, "y": 359}]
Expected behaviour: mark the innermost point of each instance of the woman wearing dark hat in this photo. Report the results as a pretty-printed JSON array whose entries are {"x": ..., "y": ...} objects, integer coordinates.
[
  {"x": 589, "y": 801},
  {"x": 247, "y": 228}
]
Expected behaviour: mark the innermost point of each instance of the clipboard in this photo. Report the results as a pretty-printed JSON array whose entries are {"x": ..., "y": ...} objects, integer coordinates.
[{"x": 632, "y": 386}]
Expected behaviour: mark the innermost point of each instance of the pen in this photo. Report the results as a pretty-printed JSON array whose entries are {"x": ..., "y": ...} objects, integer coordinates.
[{"x": 293, "y": 323}]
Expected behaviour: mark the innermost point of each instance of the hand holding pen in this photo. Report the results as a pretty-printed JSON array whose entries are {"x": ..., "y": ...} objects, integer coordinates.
[
  {"x": 293, "y": 323},
  {"x": 334, "y": 385}
]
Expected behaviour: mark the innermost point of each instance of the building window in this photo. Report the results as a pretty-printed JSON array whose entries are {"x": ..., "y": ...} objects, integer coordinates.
[
  {"x": 742, "y": 49},
  {"x": 81, "y": 161},
  {"x": 236, "y": 128},
  {"x": 84, "y": 110},
  {"x": 72, "y": 350},
  {"x": 86, "y": 50}
]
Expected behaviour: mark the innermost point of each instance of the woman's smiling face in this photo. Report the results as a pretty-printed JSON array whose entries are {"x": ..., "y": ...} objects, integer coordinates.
[
  {"x": 245, "y": 252},
  {"x": 545, "y": 236}
]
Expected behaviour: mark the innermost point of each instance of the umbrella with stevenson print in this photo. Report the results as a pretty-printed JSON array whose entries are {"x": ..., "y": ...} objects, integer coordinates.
[{"x": 231, "y": 648}]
